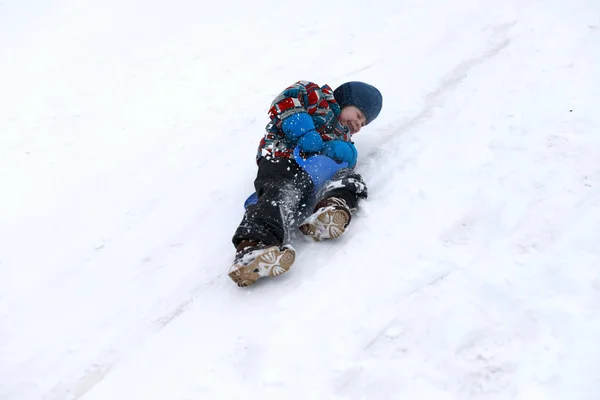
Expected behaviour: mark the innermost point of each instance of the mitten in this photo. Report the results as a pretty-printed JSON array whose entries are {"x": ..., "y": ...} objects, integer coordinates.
[
  {"x": 341, "y": 151},
  {"x": 300, "y": 128}
]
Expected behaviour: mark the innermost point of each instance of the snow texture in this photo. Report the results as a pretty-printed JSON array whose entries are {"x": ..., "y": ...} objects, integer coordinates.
[{"x": 128, "y": 132}]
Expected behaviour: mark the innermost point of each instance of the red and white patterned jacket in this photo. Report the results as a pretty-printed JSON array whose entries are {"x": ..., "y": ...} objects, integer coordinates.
[{"x": 303, "y": 96}]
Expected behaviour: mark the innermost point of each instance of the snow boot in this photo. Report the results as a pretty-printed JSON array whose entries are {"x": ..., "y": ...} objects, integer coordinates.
[
  {"x": 329, "y": 221},
  {"x": 259, "y": 260}
]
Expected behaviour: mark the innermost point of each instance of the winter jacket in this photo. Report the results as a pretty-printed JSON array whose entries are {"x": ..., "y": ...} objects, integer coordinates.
[{"x": 303, "y": 96}]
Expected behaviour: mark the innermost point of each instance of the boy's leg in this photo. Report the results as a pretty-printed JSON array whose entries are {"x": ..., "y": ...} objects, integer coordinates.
[
  {"x": 337, "y": 201},
  {"x": 283, "y": 191}
]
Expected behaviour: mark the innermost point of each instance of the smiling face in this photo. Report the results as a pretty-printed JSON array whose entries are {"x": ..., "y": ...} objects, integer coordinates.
[{"x": 352, "y": 118}]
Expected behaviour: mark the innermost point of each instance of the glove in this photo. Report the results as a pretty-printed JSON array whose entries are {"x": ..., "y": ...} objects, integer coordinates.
[
  {"x": 300, "y": 128},
  {"x": 341, "y": 151},
  {"x": 311, "y": 142}
]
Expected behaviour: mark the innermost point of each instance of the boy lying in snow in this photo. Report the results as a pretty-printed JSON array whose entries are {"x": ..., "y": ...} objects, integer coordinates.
[{"x": 307, "y": 150}]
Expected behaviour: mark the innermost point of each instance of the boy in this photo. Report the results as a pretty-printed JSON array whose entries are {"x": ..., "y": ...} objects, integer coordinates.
[{"x": 306, "y": 120}]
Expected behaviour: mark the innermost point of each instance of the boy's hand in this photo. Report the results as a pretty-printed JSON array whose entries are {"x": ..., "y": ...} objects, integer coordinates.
[
  {"x": 341, "y": 151},
  {"x": 300, "y": 127},
  {"x": 311, "y": 142}
]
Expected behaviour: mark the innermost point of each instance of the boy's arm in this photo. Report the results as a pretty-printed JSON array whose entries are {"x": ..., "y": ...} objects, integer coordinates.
[
  {"x": 318, "y": 102},
  {"x": 303, "y": 96}
]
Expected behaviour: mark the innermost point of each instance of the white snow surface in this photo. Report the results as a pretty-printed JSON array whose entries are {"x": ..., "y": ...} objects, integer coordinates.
[{"x": 128, "y": 132}]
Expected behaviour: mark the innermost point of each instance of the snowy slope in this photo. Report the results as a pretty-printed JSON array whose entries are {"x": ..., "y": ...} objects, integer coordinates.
[{"x": 127, "y": 140}]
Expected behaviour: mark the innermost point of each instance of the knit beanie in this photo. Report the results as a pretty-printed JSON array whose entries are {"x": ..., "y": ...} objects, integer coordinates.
[{"x": 362, "y": 95}]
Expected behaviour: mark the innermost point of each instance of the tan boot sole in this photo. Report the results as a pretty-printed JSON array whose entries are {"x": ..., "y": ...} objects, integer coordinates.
[
  {"x": 327, "y": 223},
  {"x": 272, "y": 262}
]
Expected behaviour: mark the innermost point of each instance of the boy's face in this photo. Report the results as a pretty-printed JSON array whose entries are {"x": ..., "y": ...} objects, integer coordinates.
[{"x": 352, "y": 118}]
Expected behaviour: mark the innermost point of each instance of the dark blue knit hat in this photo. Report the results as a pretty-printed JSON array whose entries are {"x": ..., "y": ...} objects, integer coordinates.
[{"x": 362, "y": 95}]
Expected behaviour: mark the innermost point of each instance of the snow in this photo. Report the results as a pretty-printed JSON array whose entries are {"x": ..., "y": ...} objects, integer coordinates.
[{"x": 128, "y": 133}]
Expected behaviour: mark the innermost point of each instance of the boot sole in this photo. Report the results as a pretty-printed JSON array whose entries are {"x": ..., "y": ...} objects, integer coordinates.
[
  {"x": 273, "y": 262},
  {"x": 331, "y": 223}
]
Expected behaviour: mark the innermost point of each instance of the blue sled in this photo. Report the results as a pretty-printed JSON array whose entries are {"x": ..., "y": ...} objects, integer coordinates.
[
  {"x": 252, "y": 199},
  {"x": 320, "y": 168}
]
